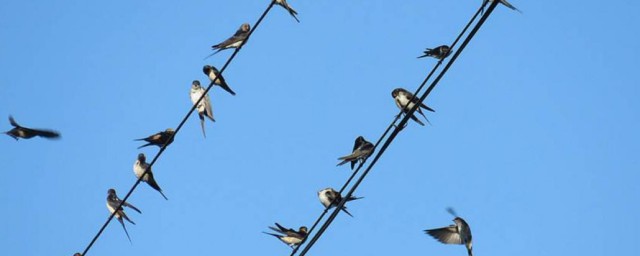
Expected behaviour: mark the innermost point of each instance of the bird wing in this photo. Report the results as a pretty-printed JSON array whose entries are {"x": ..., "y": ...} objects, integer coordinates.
[{"x": 446, "y": 235}]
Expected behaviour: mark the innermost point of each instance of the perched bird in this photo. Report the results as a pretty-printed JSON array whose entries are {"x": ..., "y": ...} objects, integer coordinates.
[
  {"x": 505, "y": 3},
  {"x": 406, "y": 101},
  {"x": 289, "y": 236},
  {"x": 213, "y": 74},
  {"x": 439, "y": 52},
  {"x": 362, "y": 149},
  {"x": 159, "y": 139},
  {"x": 331, "y": 198},
  {"x": 77, "y": 254},
  {"x": 28, "y": 133},
  {"x": 138, "y": 169},
  {"x": 286, "y": 6},
  {"x": 204, "y": 107},
  {"x": 236, "y": 41},
  {"x": 112, "y": 204},
  {"x": 460, "y": 233}
]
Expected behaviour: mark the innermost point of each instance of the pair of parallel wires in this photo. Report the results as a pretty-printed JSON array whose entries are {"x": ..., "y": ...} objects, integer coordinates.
[{"x": 386, "y": 144}]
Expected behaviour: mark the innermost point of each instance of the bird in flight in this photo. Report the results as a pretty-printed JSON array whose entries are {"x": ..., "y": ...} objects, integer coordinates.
[
  {"x": 459, "y": 233},
  {"x": 19, "y": 131}
]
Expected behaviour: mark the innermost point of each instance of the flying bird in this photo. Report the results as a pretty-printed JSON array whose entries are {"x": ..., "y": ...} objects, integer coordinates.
[
  {"x": 138, "y": 169},
  {"x": 204, "y": 107},
  {"x": 406, "y": 101},
  {"x": 460, "y": 233},
  {"x": 439, "y": 52},
  {"x": 505, "y": 3},
  {"x": 236, "y": 41},
  {"x": 286, "y": 6},
  {"x": 362, "y": 149},
  {"x": 329, "y": 197},
  {"x": 214, "y": 75},
  {"x": 28, "y": 133},
  {"x": 289, "y": 236},
  {"x": 159, "y": 139},
  {"x": 112, "y": 204}
]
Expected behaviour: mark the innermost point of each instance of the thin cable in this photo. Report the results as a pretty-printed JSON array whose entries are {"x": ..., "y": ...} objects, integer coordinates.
[
  {"x": 398, "y": 128},
  {"x": 184, "y": 120},
  {"x": 384, "y": 134}
]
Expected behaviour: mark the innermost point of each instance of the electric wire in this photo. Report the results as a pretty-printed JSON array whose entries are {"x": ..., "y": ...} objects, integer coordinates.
[
  {"x": 184, "y": 120},
  {"x": 384, "y": 134},
  {"x": 401, "y": 125}
]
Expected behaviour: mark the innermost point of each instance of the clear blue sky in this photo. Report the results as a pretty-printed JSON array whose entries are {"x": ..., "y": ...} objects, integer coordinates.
[{"x": 534, "y": 142}]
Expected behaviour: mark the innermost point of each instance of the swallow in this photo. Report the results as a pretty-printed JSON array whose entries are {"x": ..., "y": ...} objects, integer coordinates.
[
  {"x": 331, "y": 198},
  {"x": 362, "y": 149},
  {"x": 236, "y": 41},
  {"x": 406, "y": 101},
  {"x": 288, "y": 235},
  {"x": 138, "y": 169},
  {"x": 439, "y": 52},
  {"x": 112, "y": 204},
  {"x": 460, "y": 233},
  {"x": 28, "y": 133},
  {"x": 505, "y": 3},
  {"x": 214, "y": 75},
  {"x": 204, "y": 107},
  {"x": 77, "y": 254},
  {"x": 159, "y": 139},
  {"x": 286, "y": 6}
]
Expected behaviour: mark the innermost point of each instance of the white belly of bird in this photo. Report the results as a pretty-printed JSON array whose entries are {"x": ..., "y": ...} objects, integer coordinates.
[
  {"x": 291, "y": 240},
  {"x": 236, "y": 44},
  {"x": 324, "y": 199}
]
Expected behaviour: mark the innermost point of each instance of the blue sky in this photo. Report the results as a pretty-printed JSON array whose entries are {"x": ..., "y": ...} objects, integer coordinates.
[{"x": 534, "y": 140}]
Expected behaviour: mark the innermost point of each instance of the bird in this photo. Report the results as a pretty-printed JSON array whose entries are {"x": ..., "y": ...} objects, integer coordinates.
[
  {"x": 288, "y": 235},
  {"x": 505, "y": 3},
  {"x": 77, "y": 254},
  {"x": 286, "y": 6},
  {"x": 236, "y": 41},
  {"x": 204, "y": 107},
  {"x": 159, "y": 139},
  {"x": 460, "y": 233},
  {"x": 214, "y": 74},
  {"x": 28, "y": 133},
  {"x": 138, "y": 169},
  {"x": 112, "y": 204},
  {"x": 329, "y": 197},
  {"x": 406, "y": 101},
  {"x": 439, "y": 52},
  {"x": 362, "y": 149}
]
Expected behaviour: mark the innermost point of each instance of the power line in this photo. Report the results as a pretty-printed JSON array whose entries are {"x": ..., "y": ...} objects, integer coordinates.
[
  {"x": 184, "y": 120},
  {"x": 402, "y": 122},
  {"x": 391, "y": 125}
]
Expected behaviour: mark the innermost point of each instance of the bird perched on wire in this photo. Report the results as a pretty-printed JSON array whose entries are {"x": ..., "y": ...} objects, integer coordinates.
[
  {"x": 288, "y": 235},
  {"x": 112, "y": 204},
  {"x": 286, "y": 6},
  {"x": 439, "y": 52},
  {"x": 362, "y": 149},
  {"x": 28, "y": 133},
  {"x": 236, "y": 41},
  {"x": 329, "y": 197},
  {"x": 504, "y": 2},
  {"x": 159, "y": 139},
  {"x": 138, "y": 169},
  {"x": 77, "y": 254},
  {"x": 214, "y": 75},
  {"x": 204, "y": 106},
  {"x": 460, "y": 233},
  {"x": 406, "y": 101}
]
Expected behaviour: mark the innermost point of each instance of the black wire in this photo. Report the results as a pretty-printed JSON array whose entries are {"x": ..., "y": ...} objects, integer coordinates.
[
  {"x": 184, "y": 120},
  {"x": 384, "y": 134},
  {"x": 400, "y": 125}
]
